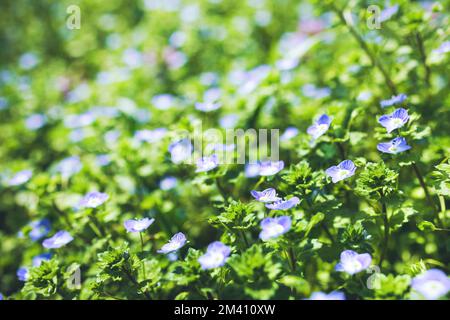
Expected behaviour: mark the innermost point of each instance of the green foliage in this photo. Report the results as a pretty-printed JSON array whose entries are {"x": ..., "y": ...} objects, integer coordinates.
[
  {"x": 442, "y": 179},
  {"x": 376, "y": 182},
  {"x": 45, "y": 280},
  {"x": 302, "y": 178},
  {"x": 355, "y": 237},
  {"x": 390, "y": 286},
  {"x": 237, "y": 216},
  {"x": 117, "y": 94},
  {"x": 258, "y": 270}
]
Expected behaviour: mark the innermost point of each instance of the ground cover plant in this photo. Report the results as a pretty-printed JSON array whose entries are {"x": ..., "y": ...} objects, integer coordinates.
[{"x": 103, "y": 194}]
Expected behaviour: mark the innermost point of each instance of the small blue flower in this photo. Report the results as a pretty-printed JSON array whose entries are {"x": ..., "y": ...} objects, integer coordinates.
[
  {"x": 216, "y": 255},
  {"x": 134, "y": 225},
  {"x": 229, "y": 121},
  {"x": 112, "y": 136},
  {"x": 93, "y": 199},
  {"x": 80, "y": 120},
  {"x": 274, "y": 227},
  {"x": 180, "y": 150},
  {"x": 395, "y": 120},
  {"x": 269, "y": 168},
  {"x": 207, "y": 106},
  {"x": 61, "y": 238},
  {"x": 287, "y": 63},
  {"x": 141, "y": 115},
  {"x": 387, "y": 13},
  {"x": 342, "y": 171},
  {"x": 39, "y": 229},
  {"x": 289, "y": 133},
  {"x": 150, "y": 136},
  {"x": 352, "y": 262},
  {"x": 395, "y": 146},
  {"x": 205, "y": 164},
  {"x": 105, "y": 112},
  {"x": 311, "y": 91},
  {"x": 103, "y": 160},
  {"x": 393, "y": 100},
  {"x": 443, "y": 48},
  {"x": 132, "y": 58},
  {"x": 168, "y": 183},
  {"x": 335, "y": 295},
  {"x": 319, "y": 127},
  {"x": 163, "y": 101},
  {"x": 1, "y": 296},
  {"x": 209, "y": 78},
  {"x": 37, "y": 260},
  {"x": 268, "y": 195},
  {"x": 69, "y": 166},
  {"x": 20, "y": 177},
  {"x": 283, "y": 204},
  {"x": 23, "y": 274},
  {"x": 210, "y": 102},
  {"x": 28, "y": 60},
  {"x": 251, "y": 170},
  {"x": 172, "y": 256},
  {"x": 364, "y": 96},
  {"x": 432, "y": 284},
  {"x": 78, "y": 135},
  {"x": 177, "y": 241},
  {"x": 249, "y": 80},
  {"x": 212, "y": 94},
  {"x": 35, "y": 121}
]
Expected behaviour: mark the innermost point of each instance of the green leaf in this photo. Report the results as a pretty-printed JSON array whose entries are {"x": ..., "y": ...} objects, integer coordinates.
[{"x": 426, "y": 226}]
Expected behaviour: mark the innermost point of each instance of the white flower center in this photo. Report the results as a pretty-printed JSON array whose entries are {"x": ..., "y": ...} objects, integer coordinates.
[
  {"x": 274, "y": 229},
  {"x": 433, "y": 288},
  {"x": 397, "y": 122},
  {"x": 216, "y": 258},
  {"x": 393, "y": 149},
  {"x": 94, "y": 202},
  {"x": 343, "y": 173},
  {"x": 59, "y": 241},
  {"x": 352, "y": 266},
  {"x": 322, "y": 128}
]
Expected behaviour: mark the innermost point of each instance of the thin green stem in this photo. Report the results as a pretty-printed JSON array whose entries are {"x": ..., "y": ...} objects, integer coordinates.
[
  {"x": 62, "y": 214},
  {"x": 245, "y": 239},
  {"x": 423, "y": 58},
  {"x": 341, "y": 150},
  {"x": 136, "y": 284},
  {"x": 288, "y": 259},
  {"x": 96, "y": 222},
  {"x": 443, "y": 209},
  {"x": 94, "y": 227},
  {"x": 362, "y": 43},
  {"x": 328, "y": 232},
  {"x": 111, "y": 295},
  {"x": 324, "y": 226},
  {"x": 142, "y": 251},
  {"x": 386, "y": 231},
  {"x": 427, "y": 193},
  {"x": 292, "y": 258},
  {"x": 221, "y": 190},
  {"x": 260, "y": 181}
]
